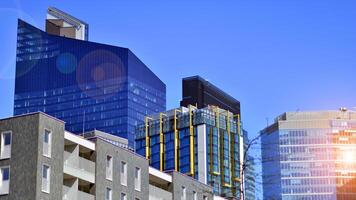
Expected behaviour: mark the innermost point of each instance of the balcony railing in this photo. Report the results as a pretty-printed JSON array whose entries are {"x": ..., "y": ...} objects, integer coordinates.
[
  {"x": 73, "y": 193},
  {"x": 46, "y": 149},
  {"x": 4, "y": 187},
  {"x": 5, "y": 152},
  {"x": 84, "y": 166},
  {"x": 85, "y": 196},
  {"x": 45, "y": 185}
]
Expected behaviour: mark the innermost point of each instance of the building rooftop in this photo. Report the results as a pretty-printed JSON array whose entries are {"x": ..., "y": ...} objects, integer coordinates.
[
  {"x": 309, "y": 119},
  {"x": 317, "y": 115},
  {"x": 66, "y": 17},
  {"x": 208, "y": 84}
]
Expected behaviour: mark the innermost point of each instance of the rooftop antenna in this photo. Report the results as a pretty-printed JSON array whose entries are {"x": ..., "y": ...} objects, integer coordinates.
[{"x": 83, "y": 121}]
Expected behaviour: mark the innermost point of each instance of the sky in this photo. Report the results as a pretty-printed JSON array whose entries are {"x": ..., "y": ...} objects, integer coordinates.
[{"x": 272, "y": 55}]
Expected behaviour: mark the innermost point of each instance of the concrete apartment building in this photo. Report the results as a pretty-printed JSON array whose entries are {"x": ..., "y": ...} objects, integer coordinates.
[{"x": 40, "y": 160}]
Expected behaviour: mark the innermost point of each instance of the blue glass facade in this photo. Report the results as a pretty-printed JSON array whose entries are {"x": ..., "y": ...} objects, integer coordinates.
[
  {"x": 88, "y": 85},
  {"x": 249, "y": 172},
  {"x": 207, "y": 134},
  {"x": 310, "y": 156}
]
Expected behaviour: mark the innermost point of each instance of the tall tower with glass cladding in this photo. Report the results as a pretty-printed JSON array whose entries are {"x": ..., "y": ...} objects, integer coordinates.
[
  {"x": 205, "y": 144},
  {"x": 86, "y": 84}
]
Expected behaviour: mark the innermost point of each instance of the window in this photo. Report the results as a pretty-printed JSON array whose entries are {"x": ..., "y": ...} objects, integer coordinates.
[
  {"x": 123, "y": 196},
  {"x": 6, "y": 144},
  {"x": 109, "y": 167},
  {"x": 195, "y": 196},
  {"x": 47, "y": 143},
  {"x": 46, "y": 178},
  {"x": 184, "y": 194},
  {"x": 5, "y": 180},
  {"x": 138, "y": 179},
  {"x": 123, "y": 173},
  {"x": 205, "y": 197},
  {"x": 108, "y": 194}
]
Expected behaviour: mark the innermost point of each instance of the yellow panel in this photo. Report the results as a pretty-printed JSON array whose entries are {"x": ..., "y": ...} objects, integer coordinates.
[
  {"x": 161, "y": 143},
  {"x": 191, "y": 131},
  {"x": 147, "y": 139},
  {"x": 176, "y": 142}
]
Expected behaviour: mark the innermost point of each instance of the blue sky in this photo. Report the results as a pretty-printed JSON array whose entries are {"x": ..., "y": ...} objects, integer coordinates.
[{"x": 272, "y": 55}]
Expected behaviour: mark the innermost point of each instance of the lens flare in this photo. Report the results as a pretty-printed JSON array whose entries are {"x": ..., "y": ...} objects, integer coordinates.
[
  {"x": 66, "y": 63},
  {"x": 100, "y": 71}
]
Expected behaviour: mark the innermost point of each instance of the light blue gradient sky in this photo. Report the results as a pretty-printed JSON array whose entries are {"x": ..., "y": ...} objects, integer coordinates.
[{"x": 272, "y": 55}]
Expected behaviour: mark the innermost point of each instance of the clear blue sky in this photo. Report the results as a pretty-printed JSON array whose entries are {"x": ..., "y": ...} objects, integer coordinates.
[{"x": 272, "y": 55}]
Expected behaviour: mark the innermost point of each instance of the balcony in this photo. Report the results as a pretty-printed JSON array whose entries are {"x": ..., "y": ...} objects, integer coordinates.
[
  {"x": 73, "y": 193},
  {"x": 79, "y": 167}
]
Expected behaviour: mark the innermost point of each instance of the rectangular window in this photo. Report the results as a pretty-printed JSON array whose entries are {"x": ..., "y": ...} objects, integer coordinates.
[
  {"x": 46, "y": 178},
  {"x": 6, "y": 140},
  {"x": 47, "y": 143},
  {"x": 184, "y": 194},
  {"x": 108, "y": 194},
  {"x": 5, "y": 180},
  {"x": 195, "y": 196},
  {"x": 138, "y": 179},
  {"x": 109, "y": 167},
  {"x": 123, "y": 196},
  {"x": 123, "y": 173}
]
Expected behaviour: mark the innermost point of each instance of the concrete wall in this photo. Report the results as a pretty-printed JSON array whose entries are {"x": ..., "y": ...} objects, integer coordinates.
[
  {"x": 56, "y": 159},
  {"x": 103, "y": 149},
  {"x": 26, "y": 156},
  {"x": 180, "y": 180}
]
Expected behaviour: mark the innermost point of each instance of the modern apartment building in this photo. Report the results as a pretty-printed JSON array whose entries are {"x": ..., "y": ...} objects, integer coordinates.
[
  {"x": 201, "y": 93},
  {"x": 310, "y": 155},
  {"x": 41, "y": 161},
  {"x": 86, "y": 84},
  {"x": 205, "y": 144}
]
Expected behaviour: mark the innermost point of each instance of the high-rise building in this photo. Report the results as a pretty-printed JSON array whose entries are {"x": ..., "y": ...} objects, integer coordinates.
[
  {"x": 205, "y": 144},
  {"x": 248, "y": 169},
  {"x": 201, "y": 93},
  {"x": 40, "y": 160},
  {"x": 86, "y": 84},
  {"x": 310, "y": 155}
]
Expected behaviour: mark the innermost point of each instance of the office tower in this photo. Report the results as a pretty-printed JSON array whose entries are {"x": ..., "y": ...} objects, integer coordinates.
[
  {"x": 248, "y": 168},
  {"x": 40, "y": 160},
  {"x": 86, "y": 84},
  {"x": 205, "y": 144},
  {"x": 310, "y": 155},
  {"x": 201, "y": 93}
]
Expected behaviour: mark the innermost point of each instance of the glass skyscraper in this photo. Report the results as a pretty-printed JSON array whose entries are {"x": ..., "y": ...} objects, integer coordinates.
[
  {"x": 249, "y": 169},
  {"x": 205, "y": 144},
  {"x": 86, "y": 84},
  {"x": 310, "y": 155}
]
